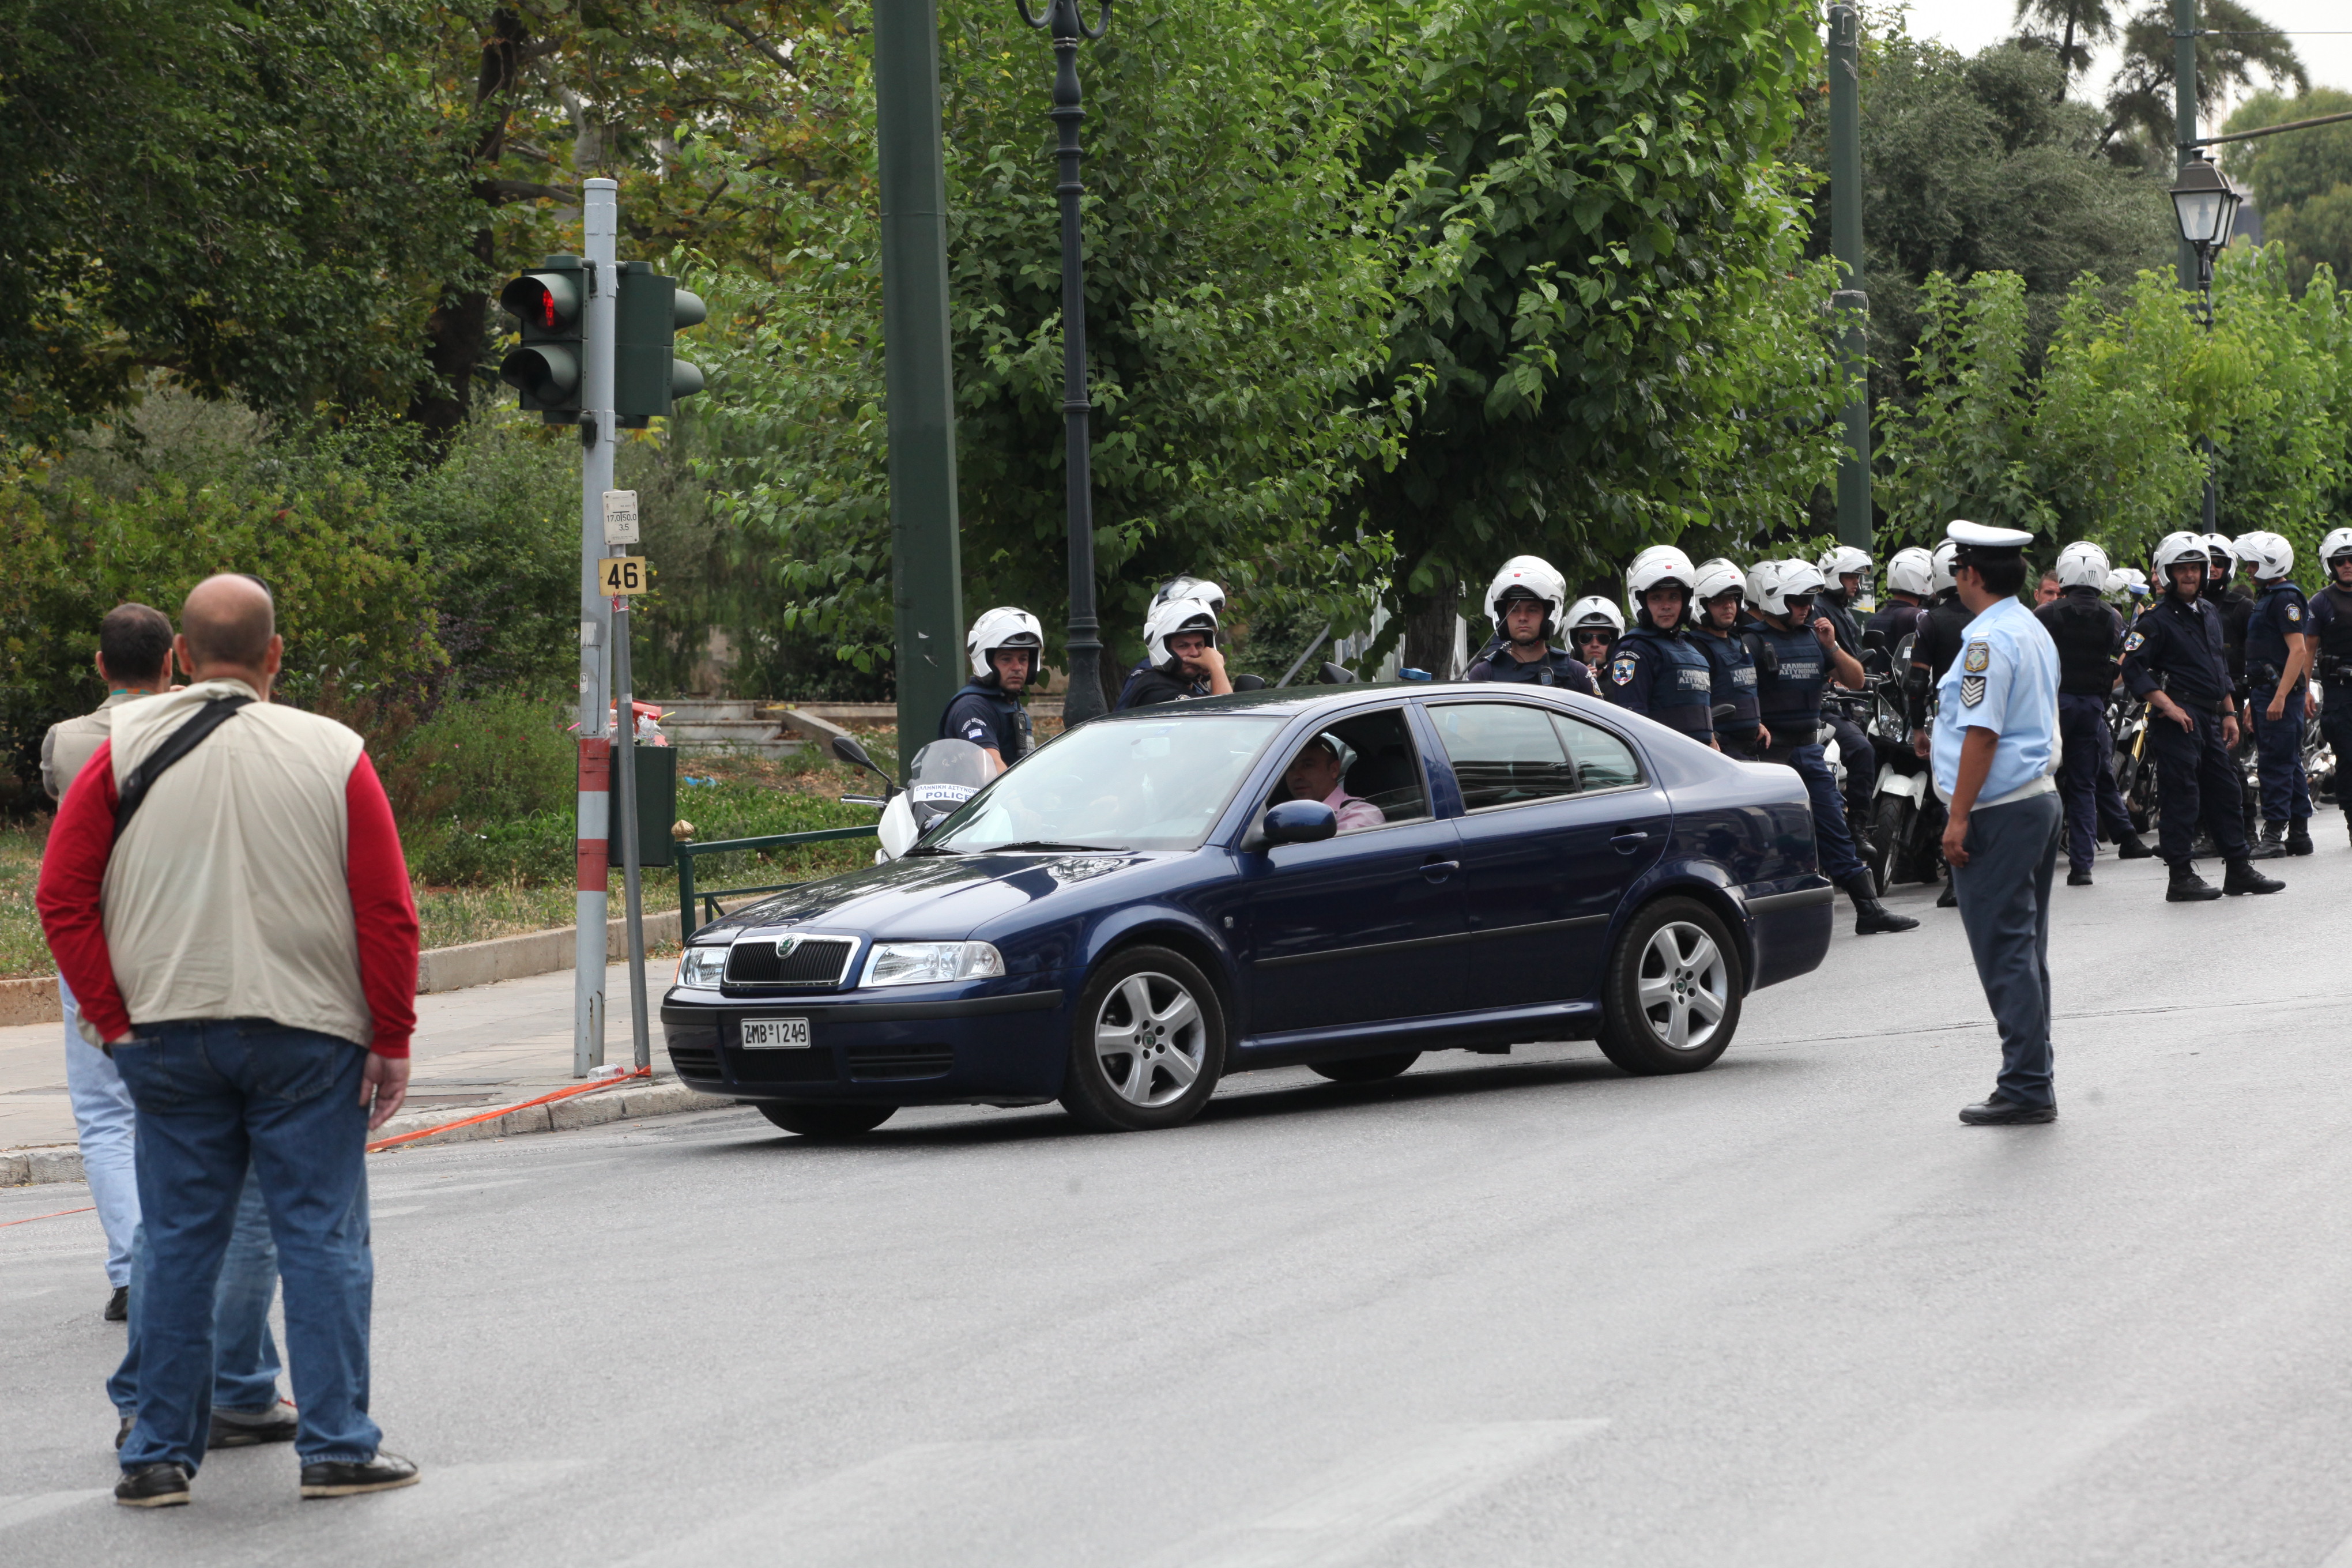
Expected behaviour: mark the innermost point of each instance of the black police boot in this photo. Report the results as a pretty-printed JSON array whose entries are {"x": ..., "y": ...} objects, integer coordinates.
[
  {"x": 2202, "y": 846},
  {"x": 2244, "y": 879},
  {"x": 2272, "y": 845},
  {"x": 2132, "y": 847},
  {"x": 1870, "y": 916},
  {"x": 2298, "y": 836},
  {"x": 2080, "y": 877},
  {"x": 2188, "y": 887}
]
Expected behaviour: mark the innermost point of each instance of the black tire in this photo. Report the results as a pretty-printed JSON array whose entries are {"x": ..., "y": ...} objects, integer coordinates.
[
  {"x": 1633, "y": 1034},
  {"x": 1367, "y": 1069},
  {"x": 1139, "y": 1059},
  {"x": 826, "y": 1121},
  {"x": 1890, "y": 841}
]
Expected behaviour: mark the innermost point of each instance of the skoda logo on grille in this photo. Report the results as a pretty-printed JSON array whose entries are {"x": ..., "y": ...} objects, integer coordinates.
[{"x": 784, "y": 946}]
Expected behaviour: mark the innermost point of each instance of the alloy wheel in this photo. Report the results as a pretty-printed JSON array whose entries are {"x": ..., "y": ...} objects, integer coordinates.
[
  {"x": 1151, "y": 1039},
  {"x": 1685, "y": 986}
]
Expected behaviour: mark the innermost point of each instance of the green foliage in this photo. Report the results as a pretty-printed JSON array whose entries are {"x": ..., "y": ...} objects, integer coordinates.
[
  {"x": 2233, "y": 45},
  {"x": 2112, "y": 422},
  {"x": 502, "y": 753},
  {"x": 2301, "y": 181},
  {"x": 1967, "y": 449}
]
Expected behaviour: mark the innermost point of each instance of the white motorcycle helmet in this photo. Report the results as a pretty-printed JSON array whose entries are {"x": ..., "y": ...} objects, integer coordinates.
[
  {"x": 1911, "y": 570},
  {"x": 2221, "y": 554},
  {"x": 1593, "y": 610},
  {"x": 1719, "y": 576},
  {"x": 1527, "y": 577},
  {"x": 2268, "y": 555},
  {"x": 1198, "y": 588},
  {"x": 1177, "y": 615},
  {"x": 1003, "y": 626},
  {"x": 2180, "y": 550},
  {"x": 2337, "y": 545},
  {"x": 2083, "y": 564},
  {"x": 1772, "y": 583},
  {"x": 2129, "y": 581},
  {"x": 1657, "y": 565},
  {"x": 1939, "y": 577},
  {"x": 1836, "y": 563}
]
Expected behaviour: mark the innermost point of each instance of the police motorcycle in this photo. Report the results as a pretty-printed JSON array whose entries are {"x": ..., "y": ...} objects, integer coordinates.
[
  {"x": 1901, "y": 847},
  {"x": 944, "y": 775}
]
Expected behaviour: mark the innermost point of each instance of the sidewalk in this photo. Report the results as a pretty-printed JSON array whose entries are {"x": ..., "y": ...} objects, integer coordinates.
[{"x": 484, "y": 1046}]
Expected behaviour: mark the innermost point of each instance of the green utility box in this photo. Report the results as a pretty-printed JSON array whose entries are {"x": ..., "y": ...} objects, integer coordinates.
[{"x": 656, "y": 807}]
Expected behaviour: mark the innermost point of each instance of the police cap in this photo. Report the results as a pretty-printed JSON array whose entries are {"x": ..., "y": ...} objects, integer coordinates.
[{"x": 1981, "y": 542}]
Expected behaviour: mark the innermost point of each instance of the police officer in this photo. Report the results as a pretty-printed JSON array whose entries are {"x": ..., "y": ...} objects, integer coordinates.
[
  {"x": 1721, "y": 588},
  {"x": 1594, "y": 624},
  {"x": 1656, "y": 669},
  {"x": 2278, "y": 658},
  {"x": 1843, "y": 572},
  {"x": 2173, "y": 661},
  {"x": 1182, "y": 658},
  {"x": 1524, "y": 602},
  {"x": 1910, "y": 575},
  {"x": 1994, "y": 753},
  {"x": 2089, "y": 636},
  {"x": 2236, "y": 607},
  {"x": 1004, "y": 646},
  {"x": 1198, "y": 588},
  {"x": 1941, "y": 631},
  {"x": 2329, "y": 620},
  {"x": 1796, "y": 653}
]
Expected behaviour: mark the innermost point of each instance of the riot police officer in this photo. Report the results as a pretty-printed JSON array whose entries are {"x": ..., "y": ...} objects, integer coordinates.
[
  {"x": 1182, "y": 660},
  {"x": 2278, "y": 658},
  {"x": 1185, "y": 587},
  {"x": 1796, "y": 655},
  {"x": 1910, "y": 578},
  {"x": 2090, "y": 639},
  {"x": 1942, "y": 630},
  {"x": 2173, "y": 661},
  {"x": 1721, "y": 588},
  {"x": 1004, "y": 646},
  {"x": 2329, "y": 618},
  {"x": 1594, "y": 624},
  {"x": 1656, "y": 669},
  {"x": 1524, "y": 602},
  {"x": 1843, "y": 572}
]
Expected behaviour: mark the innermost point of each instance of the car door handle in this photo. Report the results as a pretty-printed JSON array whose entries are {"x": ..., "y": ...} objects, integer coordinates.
[
  {"x": 1438, "y": 870},
  {"x": 1626, "y": 840}
]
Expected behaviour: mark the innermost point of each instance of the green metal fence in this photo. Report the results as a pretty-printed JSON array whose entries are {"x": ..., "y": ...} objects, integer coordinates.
[{"x": 687, "y": 853}]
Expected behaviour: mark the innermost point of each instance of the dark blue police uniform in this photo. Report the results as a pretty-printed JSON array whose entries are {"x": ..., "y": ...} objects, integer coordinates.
[
  {"x": 1893, "y": 621},
  {"x": 2328, "y": 620},
  {"x": 1734, "y": 669},
  {"x": 986, "y": 716},
  {"x": 1665, "y": 675},
  {"x": 2090, "y": 638},
  {"x": 1556, "y": 668},
  {"x": 2280, "y": 612},
  {"x": 1791, "y": 669},
  {"x": 2179, "y": 646},
  {"x": 1854, "y": 746}
]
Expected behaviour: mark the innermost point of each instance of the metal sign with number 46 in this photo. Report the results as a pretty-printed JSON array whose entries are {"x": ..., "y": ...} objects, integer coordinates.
[{"x": 623, "y": 574}]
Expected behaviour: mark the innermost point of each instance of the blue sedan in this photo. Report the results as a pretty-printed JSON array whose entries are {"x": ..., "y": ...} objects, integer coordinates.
[{"x": 1140, "y": 907}]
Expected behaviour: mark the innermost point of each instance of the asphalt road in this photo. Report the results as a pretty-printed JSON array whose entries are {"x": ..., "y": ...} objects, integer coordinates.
[{"x": 1518, "y": 1311}]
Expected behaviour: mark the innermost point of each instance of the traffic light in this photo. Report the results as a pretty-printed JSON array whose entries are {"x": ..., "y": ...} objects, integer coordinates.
[
  {"x": 546, "y": 368},
  {"x": 647, "y": 377}
]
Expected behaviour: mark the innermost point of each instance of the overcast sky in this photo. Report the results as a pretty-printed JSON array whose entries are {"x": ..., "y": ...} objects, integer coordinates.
[{"x": 1970, "y": 24}]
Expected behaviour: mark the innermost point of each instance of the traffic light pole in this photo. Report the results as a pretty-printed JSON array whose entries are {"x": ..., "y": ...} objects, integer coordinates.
[{"x": 597, "y": 424}]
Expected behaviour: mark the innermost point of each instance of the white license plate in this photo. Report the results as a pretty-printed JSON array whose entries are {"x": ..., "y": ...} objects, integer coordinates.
[{"x": 776, "y": 1035}]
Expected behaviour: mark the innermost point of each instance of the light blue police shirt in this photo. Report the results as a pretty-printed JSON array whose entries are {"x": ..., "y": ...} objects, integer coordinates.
[{"x": 2006, "y": 680}]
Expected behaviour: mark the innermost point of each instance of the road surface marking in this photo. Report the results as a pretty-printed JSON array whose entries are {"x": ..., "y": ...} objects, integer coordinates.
[
  {"x": 17, "y": 1510},
  {"x": 1931, "y": 1495},
  {"x": 1362, "y": 1504}
]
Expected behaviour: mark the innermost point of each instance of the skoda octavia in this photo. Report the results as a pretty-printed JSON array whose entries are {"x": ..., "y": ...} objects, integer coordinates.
[{"x": 1141, "y": 906}]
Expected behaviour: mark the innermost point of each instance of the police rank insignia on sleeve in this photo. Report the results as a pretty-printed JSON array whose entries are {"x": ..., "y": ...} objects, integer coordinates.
[
  {"x": 1972, "y": 689},
  {"x": 1621, "y": 669},
  {"x": 1978, "y": 659},
  {"x": 2132, "y": 643}
]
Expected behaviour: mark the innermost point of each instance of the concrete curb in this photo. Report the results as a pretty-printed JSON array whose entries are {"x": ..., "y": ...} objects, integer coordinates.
[
  {"x": 62, "y": 1163},
  {"x": 33, "y": 1001}
]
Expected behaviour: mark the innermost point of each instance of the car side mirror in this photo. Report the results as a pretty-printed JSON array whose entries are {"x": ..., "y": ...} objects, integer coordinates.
[{"x": 1298, "y": 822}]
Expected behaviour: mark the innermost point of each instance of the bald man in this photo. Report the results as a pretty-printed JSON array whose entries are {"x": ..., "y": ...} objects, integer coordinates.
[{"x": 224, "y": 891}]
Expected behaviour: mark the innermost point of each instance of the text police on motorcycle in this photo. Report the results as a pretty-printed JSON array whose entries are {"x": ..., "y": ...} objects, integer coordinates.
[
  {"x": 2329, "y": 618},
  {"x": 1180, "y": 639},
  {"x": 1722, "y": 590},
  {"x": 2089, "y": 636},
  {"x": 2278, "y": 656},
  {"x": 1524, "y": 602},
  {"x": 2173, "y": 661},
  {"x": 1796, "y": 652},
  {"x": 1005, "y": 644},
  {"x": 1655, "y": 668}
]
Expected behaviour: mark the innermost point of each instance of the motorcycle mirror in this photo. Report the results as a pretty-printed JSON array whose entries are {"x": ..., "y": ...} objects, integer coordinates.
[
  {"x": 1336, "y": 675},
  {"x": 846, "y": 748},
  {"x": 1249, "y": 683},
  {"x": 1876, "y": 638}
]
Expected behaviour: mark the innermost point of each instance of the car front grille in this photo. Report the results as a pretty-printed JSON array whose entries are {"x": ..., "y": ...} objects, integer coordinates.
[
  {"x": 807, "y": 961},
  {"x": 785, "y": 1066},
  {"x": 883, "y": 1064},
  {"x": 694, "y": 1061}
]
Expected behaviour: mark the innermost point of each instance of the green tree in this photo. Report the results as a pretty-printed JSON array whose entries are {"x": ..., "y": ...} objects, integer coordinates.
[
  {"x": 2234, "y": 45},
  {"x": 2070, "y": 28},
  {"x": 2301, "y": 181},
  {"x": 1967, "y": 449}
]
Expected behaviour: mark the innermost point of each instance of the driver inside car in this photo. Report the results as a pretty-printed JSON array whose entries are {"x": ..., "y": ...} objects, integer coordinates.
[{"x": 1314, "y": 774}]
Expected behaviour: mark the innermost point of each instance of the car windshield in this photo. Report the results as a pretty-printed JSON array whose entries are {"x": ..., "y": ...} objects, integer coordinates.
[{"x": 1137, "y": 784}]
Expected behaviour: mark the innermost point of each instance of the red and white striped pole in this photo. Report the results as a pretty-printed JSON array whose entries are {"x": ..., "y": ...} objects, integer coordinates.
[{"x": 601, "y": 222}]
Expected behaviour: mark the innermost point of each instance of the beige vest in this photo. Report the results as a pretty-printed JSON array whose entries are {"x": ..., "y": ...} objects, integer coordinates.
[
  {"x": 226, "y": 897},
  {"x": 70, "y": 744}
]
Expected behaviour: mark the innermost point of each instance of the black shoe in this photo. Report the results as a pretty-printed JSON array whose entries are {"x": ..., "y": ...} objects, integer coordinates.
[
  {"x": 2000, "y": 1112},
  {"x": 2298, "y": 836},
  {"x": 1871, "y": 917},
  {"x": 2271, "y": 845},
  {"x": 250, "y": 1429},
  {"x": 1948, "y": 899},
  {"x": 163, "y": 1485},
  {"x": 2079, "y": 878},
  {"x": 118, "y": 1305},
  {"x": 335, "y": 1477},
  {"x": 2202, "y": 848},
  {"x": 2244, "y": 879},
  {"x": 2188, "y": 887},
  {"x": 2132, "y": 847}
]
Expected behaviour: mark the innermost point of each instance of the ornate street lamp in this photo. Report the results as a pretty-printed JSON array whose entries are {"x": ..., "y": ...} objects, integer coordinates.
[
  {"x": 1084, "y": 698},
  {"x": 2205, "y": 203}
]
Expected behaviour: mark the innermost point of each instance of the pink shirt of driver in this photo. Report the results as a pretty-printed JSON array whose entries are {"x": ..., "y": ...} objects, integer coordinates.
[{"x": 1354, "y": 815}]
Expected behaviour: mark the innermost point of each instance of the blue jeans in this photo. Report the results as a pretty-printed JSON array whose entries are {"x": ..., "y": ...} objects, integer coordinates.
[
  {"x": 244, "y": 1353},
  {"x": 104, "y": 1122},
  {"x": 215, "y": 1096}
]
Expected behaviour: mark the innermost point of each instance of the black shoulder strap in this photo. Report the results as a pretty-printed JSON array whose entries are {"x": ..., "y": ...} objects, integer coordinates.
[{"x": 178, "y": 744}]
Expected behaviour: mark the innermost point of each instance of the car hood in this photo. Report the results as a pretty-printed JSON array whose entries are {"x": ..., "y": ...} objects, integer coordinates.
[{"x": 942, "y": 896}]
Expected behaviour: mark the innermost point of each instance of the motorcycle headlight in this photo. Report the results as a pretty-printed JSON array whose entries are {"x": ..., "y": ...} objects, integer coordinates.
[
  {"x": 702, "y": 966},
  {"x": 928, "y": 963}
]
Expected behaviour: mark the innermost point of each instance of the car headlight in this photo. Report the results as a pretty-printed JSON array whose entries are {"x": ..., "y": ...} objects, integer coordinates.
[
  {"x": 702, "y": 966},
  {"x": 928, "y": 963}
]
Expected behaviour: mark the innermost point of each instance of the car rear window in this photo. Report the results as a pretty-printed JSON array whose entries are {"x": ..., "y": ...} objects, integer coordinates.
[{"x": 1504, "y": 753}]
